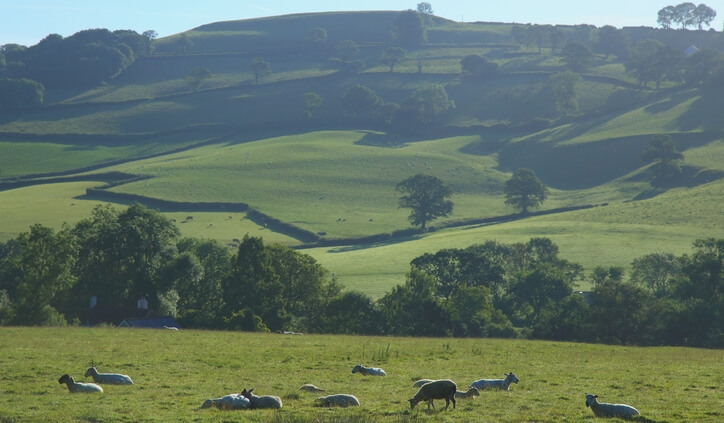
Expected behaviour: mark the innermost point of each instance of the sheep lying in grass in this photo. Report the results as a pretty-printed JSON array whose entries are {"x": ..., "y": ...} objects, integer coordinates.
[
  {"x": 337, "y": 400},
  {"x": 421, "y": 382},
  {"x": 74, "y": 386},
  {"x": 310, "y": 388},
  {"x": 437, "y": 389},
  {"x": 262, "y": 401},
  {"x": 368, "y": 371},
  {"x": 470, "y": 393},
  {"x": 108, "y": 378},
  {"x": 228, "y": 402},
  {"x": 602, "y": 409},
  {"x": 502, "y": 384}
]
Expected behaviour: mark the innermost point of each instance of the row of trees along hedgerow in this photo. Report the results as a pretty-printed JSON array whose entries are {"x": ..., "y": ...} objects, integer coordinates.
[{"x": 485, "y": 290}]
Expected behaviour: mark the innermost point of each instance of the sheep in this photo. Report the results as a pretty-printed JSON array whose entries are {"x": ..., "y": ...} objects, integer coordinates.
[
  {"x": 368, "y": 371},
  {"x": 437, "y": 389},
  {"x": 421, "y": 382},
  {"x": 502, "y": 384},
  {"x": 602, "y": 409},
  {"x": 74, "y": 386},
  {"x": 108, "y": 378},
  {"x": 310, "y": 388},
  {"x": 263, "y": 401},
  {"x": 337, "y": 400},
  {"x": 470, "y": 393},
  {"x": 228, "y": 402}
]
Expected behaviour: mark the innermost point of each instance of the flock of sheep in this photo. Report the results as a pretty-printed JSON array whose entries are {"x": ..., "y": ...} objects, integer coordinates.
[{"x": 429, "y": 390}]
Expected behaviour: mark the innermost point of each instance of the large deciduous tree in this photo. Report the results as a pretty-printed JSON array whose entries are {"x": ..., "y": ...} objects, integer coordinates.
[
  {"x": 393, "y": 56},
  {"x": 652, "y": 60},
  {"x": 563, "y": 86},
  {"x": 409, "y": 28},
  {"x": 612, "y": 41},
  {"x": 661, "y": 150},
  {"x": 577, "y": 56},
  {"x": 478, "y": 66},
  {"x": 361, "y": 102},
  {"x": 524, "y": 190},
  {"x": 427, "y": 197},
  {"x": 260, "y": 67},
  {"x": 424, "y": 107}
]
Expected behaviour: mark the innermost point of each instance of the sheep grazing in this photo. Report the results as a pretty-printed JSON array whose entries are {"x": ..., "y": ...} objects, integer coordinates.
[
  {"x": 502, "y": 384},
  {"x": 421, "y": 382},
  {"x": 437, "y": 389},
  {"x": 262, "y": 401},
  {"x": 470, "y": 393},
  {"x": 310, "y": 388},
  {"x": 368, "y": 371},
  {"x": 228, "y": 402},
  {"x": 337, "y": 400},
  {"x": 74, "y": 386},
  {"x": 108, "y": 378},
  {"x": 602, "y": 409}
]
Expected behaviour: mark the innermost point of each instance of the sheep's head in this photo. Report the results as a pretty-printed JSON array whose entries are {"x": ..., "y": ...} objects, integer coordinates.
[
  {"x": 590, "y": 399},
  {"x": 90, "y": 371},
  {"x": 511, "y": 377},
  {"x": 65, "y": 378},
  {"x": 247, "y": 393},
  {"x": 413, "y": 403},
  {"x": 357, "y": 368}
]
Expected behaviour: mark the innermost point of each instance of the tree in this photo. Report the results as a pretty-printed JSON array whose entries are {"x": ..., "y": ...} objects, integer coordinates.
[
  {"x": 577, "y": 56},
  {"x": 703, "y": 14},
  {"x": 661, "y": 150},
  {"x": 408, "y": 28},
  {"x": 684, "y": 14},
  {"x": 37, "y": 270},
  {"x": 427, "y": 197},
  {"x": 393, "y": 56},
  {"x": 423, "y": 107},
  {"x": 563, "y": 86},
  {"x": 317, "y": 36},
  {"x": 518, "y": 33},
  {"x": 183, "y": 43},
  {"x": 352, "y": 313},
  {"x": 656, "y": 272},
  {"x": 425, "y": 8},
  {"x": 666, "y": 16},
  {"x": 20, "y": 93},
  {"x": 652, "y": 60},
  {"x": 478, "y": 66},
  {"x": 524, "y": 190},
  {"x": 312, "y": 101},
  {"x": 197, "y": 76},
  {"x": 361, "y": 102},
  {"x": 612, "y": 41},
  {"x": 260, "y": 67},
  {"x": 700, "y": 67},
  {"x": 346, "y": 50}
]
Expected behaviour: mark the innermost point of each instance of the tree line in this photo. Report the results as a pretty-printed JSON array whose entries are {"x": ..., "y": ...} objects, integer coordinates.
[{"x": 485, "y": 290}]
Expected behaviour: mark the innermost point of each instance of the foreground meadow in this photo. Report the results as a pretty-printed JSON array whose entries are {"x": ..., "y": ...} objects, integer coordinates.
[{"x": 174, "y": 372}]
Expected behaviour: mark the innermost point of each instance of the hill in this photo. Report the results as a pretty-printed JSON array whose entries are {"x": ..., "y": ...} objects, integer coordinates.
[{"x": 244, "y": 157}]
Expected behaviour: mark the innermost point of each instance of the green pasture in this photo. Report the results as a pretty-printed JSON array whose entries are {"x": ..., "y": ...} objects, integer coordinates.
[{"x": 174, "y": 372}]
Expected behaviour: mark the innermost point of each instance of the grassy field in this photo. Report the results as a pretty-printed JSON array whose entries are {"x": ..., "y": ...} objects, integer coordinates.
[{"x": 174, "y": 372}]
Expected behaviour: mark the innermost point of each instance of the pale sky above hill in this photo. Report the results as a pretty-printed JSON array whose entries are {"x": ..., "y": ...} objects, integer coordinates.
[{"x": 27, "y": 22}]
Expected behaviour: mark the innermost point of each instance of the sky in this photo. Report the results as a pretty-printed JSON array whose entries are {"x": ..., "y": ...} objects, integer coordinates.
[{"x": 26, "y": 22}]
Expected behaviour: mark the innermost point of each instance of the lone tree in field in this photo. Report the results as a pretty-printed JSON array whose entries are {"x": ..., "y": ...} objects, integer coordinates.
[
  {"x": 393, "y": 56},
  {"x": 661, "y": 150},
  {"x": 427, "y": 197},
  {"x": 524, "y": 190},
  {"x": 260, "y": 67},
  {"x": 197, "y": 76}
]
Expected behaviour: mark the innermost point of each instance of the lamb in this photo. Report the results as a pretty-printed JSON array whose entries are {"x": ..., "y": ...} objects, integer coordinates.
[
  {"x": 337, "y": 400},
  {"x": 262, "y": 401},
  {"x": 421, "y": 382},
  {"x": 108, "y": 378},
  {"x": 368, "y": 371},
  {"x": 502, "y": 384},
  {"x": 310, "y": 388},
  {"x": 470, "y": 393},
  {"x": 74, "y": 387},
  {"x": 437, "y": 389},
  {"x": 228, "y": 402},
  {"x": 602, "y": 409}
]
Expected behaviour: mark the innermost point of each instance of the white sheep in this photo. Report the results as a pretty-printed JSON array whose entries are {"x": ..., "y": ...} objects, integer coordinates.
[
  {"x": 437, "y": 389},
  {"x": 228, "y": 402},
  {"x": 108, "y": 378},
  {"x": 421, "y": 382},
  {"x": 502, "y": 384},
  {"x": 602, "y": 409},
  {"x": 310, "y": 388},
  {"x": 262, "y": 401},
  {"x": 470, "y": 393},
  {"x": 368, "y": 371},
  {"x": 74, "y": 386},
  {"x": 337, "y": 400}
]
